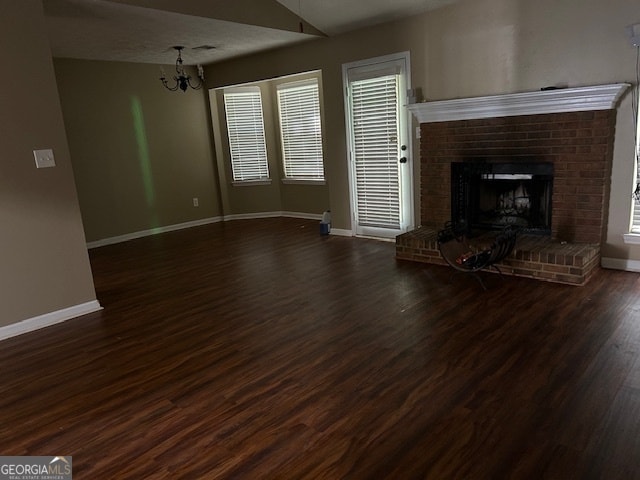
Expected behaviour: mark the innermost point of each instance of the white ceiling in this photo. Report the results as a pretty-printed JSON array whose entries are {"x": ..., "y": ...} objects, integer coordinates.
[
  {"x": 130, "y": 31},
  {"x": 339, "y": 16}
]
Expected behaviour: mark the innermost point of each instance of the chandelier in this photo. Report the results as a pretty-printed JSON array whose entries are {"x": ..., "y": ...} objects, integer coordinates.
[{"x": 182, "y": 78}]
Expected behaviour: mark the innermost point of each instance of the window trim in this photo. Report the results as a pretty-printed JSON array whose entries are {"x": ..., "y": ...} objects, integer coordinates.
[
  {"x": 251, "y": 183},
  {"x": 634, "y": 228},
  {"x": 633, "y": 237},
  {"x": 318, "y": 146},
  {"x": 261, "y": 149},
  {"x": 302, "y": 181}
]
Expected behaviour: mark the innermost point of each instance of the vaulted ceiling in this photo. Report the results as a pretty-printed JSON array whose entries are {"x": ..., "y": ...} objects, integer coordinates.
[{"x": 146, "y": 30}]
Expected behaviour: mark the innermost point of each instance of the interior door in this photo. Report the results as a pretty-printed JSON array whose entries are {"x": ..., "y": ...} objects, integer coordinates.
[{"x": 380, "y": 166}]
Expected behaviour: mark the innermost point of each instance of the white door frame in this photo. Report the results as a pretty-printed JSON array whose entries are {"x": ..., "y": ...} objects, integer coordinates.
[{"x": 406, "y": 185}]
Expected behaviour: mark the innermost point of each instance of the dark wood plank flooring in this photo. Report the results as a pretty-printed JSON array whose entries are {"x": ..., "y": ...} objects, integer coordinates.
[{"x": 260, "y": 349}]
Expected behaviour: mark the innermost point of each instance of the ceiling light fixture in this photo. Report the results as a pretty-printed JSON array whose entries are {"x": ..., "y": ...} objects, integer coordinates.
[{"x": 182, "y": 78}]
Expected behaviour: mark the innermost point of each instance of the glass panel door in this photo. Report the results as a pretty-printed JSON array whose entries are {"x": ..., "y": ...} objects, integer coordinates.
[{"x": 380, "y": 170}]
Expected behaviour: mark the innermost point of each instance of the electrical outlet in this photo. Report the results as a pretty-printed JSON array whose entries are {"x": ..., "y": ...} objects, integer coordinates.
[
  {"x": 418, "y": 132},
  {"x": 196, "y": 202},
  {"x": 44, "y": 158}
]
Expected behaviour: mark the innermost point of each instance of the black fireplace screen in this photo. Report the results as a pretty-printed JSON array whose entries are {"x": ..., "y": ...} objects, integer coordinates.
[{"x": 486, "y": 196}]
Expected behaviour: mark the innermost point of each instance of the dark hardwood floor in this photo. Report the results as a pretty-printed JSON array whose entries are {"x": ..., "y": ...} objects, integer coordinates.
[{"x": 260, "y": 349}]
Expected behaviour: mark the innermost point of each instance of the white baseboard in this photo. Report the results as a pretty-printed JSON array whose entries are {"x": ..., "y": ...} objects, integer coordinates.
[
  {"x": 252, "y": 216},
  {"x": 341, "y": 232},
  {"x": 621, "y": 264},
  {"x": 197, "y": 223},
  {"x": 152, "y": 231},
  {"x": 306, "y": 216},
  {"x": 48, "y": 319}
]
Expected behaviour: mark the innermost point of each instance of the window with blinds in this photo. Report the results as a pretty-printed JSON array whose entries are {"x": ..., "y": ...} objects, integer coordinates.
[
  {"x": 374, "y": 113},
  {"x": 245, "y": 128},
  {"x": 635, "y": 100},
  {"x": 300, "y": 130}
]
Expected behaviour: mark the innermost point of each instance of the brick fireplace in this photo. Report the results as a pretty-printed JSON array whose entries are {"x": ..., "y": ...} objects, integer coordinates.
[{"x": 572, "y": 129}]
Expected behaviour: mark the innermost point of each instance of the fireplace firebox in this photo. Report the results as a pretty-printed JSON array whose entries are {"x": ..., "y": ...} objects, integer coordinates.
[{"x": 491, "y": 196}]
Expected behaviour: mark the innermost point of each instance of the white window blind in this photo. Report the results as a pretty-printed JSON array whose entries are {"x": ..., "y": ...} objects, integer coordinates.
[
  {"x": 300, "y": 130},
  {"x": 375, "y": 130},
  {"x": 635, "y": 105},
  {"x": 245, "y": 127},
  {"x": 635, "y": 226},
  {"x": 635, "y": 220}
]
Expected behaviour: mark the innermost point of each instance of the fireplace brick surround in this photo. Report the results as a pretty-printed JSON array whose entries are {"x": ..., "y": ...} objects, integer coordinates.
[{"x": 580, "y": 146}]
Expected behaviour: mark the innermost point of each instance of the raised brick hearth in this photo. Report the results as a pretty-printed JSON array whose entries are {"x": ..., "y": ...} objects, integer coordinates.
[
  {"x": 580, "y": 146},
  {"x": 534, "y": 256}
]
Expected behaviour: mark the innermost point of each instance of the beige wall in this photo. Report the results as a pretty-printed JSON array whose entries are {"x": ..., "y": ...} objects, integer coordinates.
[
  {"x": 45, "y": 266},
  {"x": 472, "y": 48},
  {"x": 140, "y": 152}
]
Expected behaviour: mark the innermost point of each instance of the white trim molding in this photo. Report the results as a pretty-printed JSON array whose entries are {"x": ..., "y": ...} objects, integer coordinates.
[
  {"x": 340, "y": 232},
  {"x": 196, "y": 223},
  {"x": 303, "y": 181},
  {"x": 306, "y": 216},
  {"x": 251, "y": 216},
  {"x": 631, "y": 238},
  {"x": 255, "y": 215},
  {"x": 251, "y": 183},
  {"x": 621, "y": 264},
  {"x": 48, "y": 319},
  {"x": 152, "y": 231},
  {"x": 599, "y": 97}
]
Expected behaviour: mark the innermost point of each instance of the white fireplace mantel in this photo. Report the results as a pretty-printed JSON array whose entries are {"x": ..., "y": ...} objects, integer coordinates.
[{"x": 580, "y": 99}]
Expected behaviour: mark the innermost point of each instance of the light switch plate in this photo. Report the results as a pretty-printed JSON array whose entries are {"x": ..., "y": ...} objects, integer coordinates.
[
  {"x": 634, "y": 34},
  {"x": 44, "y": 158}
]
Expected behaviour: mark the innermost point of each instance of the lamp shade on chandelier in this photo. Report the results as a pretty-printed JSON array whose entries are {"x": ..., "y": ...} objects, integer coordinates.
[{"x": 182, "y": 79}]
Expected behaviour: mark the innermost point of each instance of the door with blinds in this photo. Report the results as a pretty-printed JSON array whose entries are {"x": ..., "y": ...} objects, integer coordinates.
[
  {"x": 635, "y": 216},
  {"x": 380, "y": 169}
]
